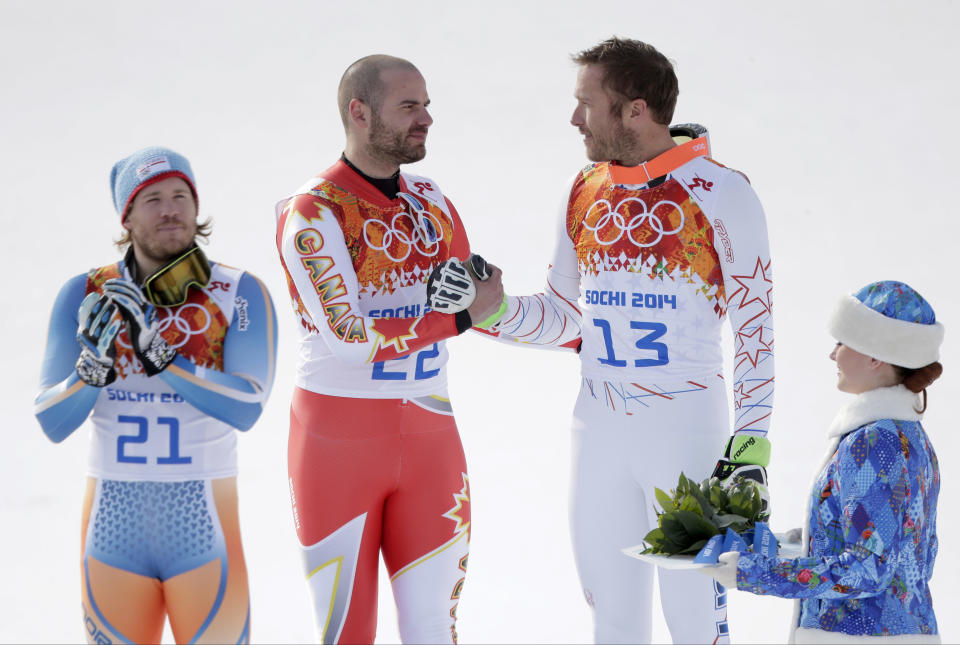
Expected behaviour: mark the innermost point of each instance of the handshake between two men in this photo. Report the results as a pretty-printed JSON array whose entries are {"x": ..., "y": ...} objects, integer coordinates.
[
  {"x": 472, "y": 286},
  {"x": 476, "y": 287}
]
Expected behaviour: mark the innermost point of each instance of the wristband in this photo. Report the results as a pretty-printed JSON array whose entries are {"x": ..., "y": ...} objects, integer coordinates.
[
  {"x": 749, "y": 449},
  {"x": 495, "y": 317},
  {"x": 463, "y": 321}
]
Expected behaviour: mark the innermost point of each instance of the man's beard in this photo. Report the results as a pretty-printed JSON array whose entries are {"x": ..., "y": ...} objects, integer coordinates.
[
  {"x": 615, "y": 145},
  {"x": 392, "y": 145},
  {"x": 165, "y": 251}
]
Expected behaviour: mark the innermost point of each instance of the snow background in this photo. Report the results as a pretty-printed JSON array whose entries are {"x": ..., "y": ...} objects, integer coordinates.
[{"x": 841, "y": 114}]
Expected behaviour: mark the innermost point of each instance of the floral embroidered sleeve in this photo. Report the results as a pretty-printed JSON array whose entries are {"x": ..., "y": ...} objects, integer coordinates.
[
  {"x": 326, "y": 290},
  {"x": 856, "y": 518}
]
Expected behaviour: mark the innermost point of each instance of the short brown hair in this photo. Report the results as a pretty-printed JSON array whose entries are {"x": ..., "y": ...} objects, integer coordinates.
[
  {"x": 635, "y": 70},
  {"x": 362, "y": 81}
]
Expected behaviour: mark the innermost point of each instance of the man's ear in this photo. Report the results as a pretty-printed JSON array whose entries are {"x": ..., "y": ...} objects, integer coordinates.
[
  {"x": 635, "y": 109},
  {"x": 359, "y": 113}
]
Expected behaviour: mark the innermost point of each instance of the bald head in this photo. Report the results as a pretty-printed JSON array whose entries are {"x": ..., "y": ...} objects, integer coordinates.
[{"x": 363, "y": 80}]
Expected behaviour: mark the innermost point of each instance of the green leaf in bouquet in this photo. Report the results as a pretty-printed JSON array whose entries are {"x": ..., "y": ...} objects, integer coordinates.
[
  {"x": 671, "y": 548},
  {"x": 683, "y": 486},
  {"x": 741, "y": 504},
  {"x": 694, "y": 512},
  {"x": 694, "y": 548},
  {"x": 659, "y": 543},
  {"x": 666, "y": 502},
  {"x": 746, "y": 500},
  {"x": 757, "y": 501},
  {"x": 655, "y": 540},
  {"x": 706, "y": 510},
  {"x": 725, "y": 520},
  {"x": 656, "y": 535},
  {"x": 673, "y": 528},
  {"x": 689, "y": 503},
  {"x": 696, "y": 526},
  {"x": 719, "y": 499}
]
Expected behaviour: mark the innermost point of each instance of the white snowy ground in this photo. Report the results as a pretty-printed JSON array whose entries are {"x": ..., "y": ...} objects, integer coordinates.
[{"x": 842, "y": 114}]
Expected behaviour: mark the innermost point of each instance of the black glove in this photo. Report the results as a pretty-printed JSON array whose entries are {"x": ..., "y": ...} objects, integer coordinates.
[
  {"x": 450, "y": 287},
  {"x": 99, "y": 324},
  {"x": 478, "y": 267},
  {"x": 142, "y": 327}
]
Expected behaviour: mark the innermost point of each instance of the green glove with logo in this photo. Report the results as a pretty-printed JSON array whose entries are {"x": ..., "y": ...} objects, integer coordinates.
[{"x": 747, "y": 456}]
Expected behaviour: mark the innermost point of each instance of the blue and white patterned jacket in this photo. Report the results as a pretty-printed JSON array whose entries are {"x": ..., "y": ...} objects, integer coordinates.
[{"x": 871, "y": 534}]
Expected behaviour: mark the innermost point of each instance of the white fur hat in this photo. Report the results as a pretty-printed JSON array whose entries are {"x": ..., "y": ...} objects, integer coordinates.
[{"x": 891, "y": 322}]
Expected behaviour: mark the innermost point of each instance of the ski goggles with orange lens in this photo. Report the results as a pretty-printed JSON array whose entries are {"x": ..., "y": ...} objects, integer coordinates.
[{"x": 167, "y": 286}]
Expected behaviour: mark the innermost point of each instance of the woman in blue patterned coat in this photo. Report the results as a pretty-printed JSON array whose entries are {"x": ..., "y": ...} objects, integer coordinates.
[{"x": 871, "y": 540}]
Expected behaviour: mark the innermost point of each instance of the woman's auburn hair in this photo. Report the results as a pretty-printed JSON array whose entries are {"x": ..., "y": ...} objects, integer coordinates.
[{"x": 919, "y": 379}]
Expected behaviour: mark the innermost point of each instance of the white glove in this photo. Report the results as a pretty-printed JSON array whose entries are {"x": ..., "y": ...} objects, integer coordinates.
[
  {"x": 450, "y": 287},
  {"x": 725, "y": 571}
]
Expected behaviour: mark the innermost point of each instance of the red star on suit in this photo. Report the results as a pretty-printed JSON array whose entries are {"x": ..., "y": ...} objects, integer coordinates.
[
  {"x": 739, "y": 396},
  {"x": 755, "y": 288},
  {"x": 751, "y": 345}
]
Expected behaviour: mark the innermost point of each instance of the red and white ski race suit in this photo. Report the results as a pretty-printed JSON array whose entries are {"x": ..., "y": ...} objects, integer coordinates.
[{"x": 375, "y": 460}]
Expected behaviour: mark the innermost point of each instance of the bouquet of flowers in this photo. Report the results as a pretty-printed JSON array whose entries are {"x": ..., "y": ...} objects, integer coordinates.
[{"x": 692, "y": 514}]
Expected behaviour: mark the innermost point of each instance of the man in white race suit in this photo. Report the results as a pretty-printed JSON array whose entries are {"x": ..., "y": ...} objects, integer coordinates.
[{"x": 657, "y": 243}]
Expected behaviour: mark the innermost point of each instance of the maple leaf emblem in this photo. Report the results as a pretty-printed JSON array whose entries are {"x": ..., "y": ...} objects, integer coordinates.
[
  {"x": 394, "y": 332},
  {"x": 460, "y": 513}
]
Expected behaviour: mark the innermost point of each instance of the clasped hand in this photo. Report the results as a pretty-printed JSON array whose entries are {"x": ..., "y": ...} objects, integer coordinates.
[
  {"x": 472, "y": 286},
  {"x": 100, "y": 318}
]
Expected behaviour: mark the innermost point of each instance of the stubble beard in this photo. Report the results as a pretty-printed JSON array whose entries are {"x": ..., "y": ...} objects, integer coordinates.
[
  {"x": 615, "y": 145},
  {"x": 391, "y": 146},
  {"x": 164, "y": 251}
]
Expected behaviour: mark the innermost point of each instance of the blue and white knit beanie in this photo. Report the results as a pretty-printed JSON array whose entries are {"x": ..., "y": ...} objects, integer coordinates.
[
  {"x": 891, "y": 322},
  {"x": 144, "y": 167}
]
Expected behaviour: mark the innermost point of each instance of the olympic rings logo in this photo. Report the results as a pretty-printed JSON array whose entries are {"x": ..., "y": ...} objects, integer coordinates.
[
  {"x": 167, "y": 318},
  {"x": 414, "y": 228},
  {"x": 645, "y": 217}
]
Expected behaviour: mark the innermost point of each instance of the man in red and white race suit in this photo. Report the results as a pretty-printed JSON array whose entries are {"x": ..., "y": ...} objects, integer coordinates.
[{"x": 375, "y": 460}]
